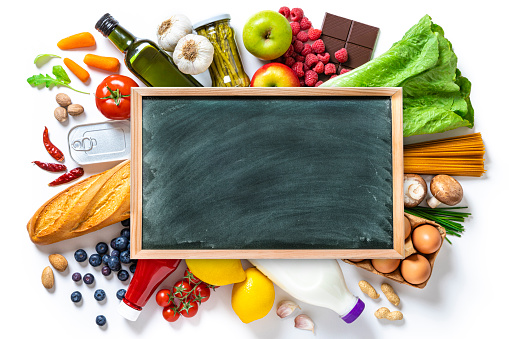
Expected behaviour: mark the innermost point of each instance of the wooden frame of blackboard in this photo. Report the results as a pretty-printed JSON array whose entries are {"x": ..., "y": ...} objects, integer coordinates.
[{"x": 396, "y": 98}]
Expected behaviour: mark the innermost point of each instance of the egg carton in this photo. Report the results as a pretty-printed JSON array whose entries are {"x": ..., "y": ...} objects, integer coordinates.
[{"x": 409, "y": 250}]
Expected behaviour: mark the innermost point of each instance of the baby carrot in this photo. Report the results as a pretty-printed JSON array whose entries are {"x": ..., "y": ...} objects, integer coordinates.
[
  {"x": 79, "y": 71},
  {"x": 84, "y": 39},
  {"x": 105, "y": 63}
]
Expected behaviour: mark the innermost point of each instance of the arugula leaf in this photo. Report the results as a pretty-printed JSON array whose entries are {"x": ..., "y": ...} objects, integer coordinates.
[
  {"x": 61, "y": 79},
  {"x": 44, "y": 57}
]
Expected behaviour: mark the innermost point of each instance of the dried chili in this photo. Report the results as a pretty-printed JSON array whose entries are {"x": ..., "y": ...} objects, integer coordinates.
[
  {"x": 50, "y": 167},
  {"x": 52, "y": 149},
  {"x": 69, "y": 176}
]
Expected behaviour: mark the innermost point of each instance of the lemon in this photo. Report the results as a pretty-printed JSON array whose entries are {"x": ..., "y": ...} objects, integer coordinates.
[
  {"x": 217, "y": 272},
  {"x": 253, "y": 298}
]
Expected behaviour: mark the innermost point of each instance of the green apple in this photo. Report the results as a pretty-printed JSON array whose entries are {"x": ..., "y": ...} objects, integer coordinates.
[
  {"x": 275, "y": 74},
  {"x": 267, "y": 35}
]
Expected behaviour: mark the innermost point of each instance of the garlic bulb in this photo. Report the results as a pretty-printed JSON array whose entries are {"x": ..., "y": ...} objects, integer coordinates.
[
  {"x": 172, "y": 30},
  {"x": 193, "y": 54},
  {"x": 285, "y": 308},
  {"x": 304, "y": 322}
]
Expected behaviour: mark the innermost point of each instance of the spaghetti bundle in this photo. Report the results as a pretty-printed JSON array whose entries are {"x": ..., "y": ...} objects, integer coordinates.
[{"x": 461, "y": 156}]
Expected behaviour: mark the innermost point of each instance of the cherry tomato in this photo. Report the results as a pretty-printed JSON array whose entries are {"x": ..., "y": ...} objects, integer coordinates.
[
  {"x": 164, "y": 297},
  {"x": 201, "y": 292},
  {"x": 113, "y": 96},
  {"x": 188, "y": 308},
  {"x": 193, "y": 280},
  {"x": 171, "y": 313},
  {"x": 181, "y": 289}
]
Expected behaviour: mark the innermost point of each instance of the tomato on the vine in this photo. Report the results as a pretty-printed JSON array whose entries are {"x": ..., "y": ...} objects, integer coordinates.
[
  {"x": 113, "y": 96},
  {"x": 201, "y": 292},
  {"x": 164, "y": 297},
  {"x": 171, "y": 313},
  {"x": 191, "y": 277},
  {"x": 188, "y": 308},
  {"x": 181, "y": 289}
]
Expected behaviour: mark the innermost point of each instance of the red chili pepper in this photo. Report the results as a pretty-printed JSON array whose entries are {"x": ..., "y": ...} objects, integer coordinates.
[
  {"x": 50, "y": 167},
  {"x": 52, "y": 149},
  {"x": 69, "y": 176}
]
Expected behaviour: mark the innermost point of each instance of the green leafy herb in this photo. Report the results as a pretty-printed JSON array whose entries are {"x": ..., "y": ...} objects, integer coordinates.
[
  {"x": 44, "y": 57},
  {"x": 449, "y": 220},
  {"x": 61, "y": 79},
  {"x": 436, "y": 98}
]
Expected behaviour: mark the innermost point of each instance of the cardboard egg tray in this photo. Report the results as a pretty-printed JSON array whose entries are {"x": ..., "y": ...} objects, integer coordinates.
[{"x": 409, "y": 250}]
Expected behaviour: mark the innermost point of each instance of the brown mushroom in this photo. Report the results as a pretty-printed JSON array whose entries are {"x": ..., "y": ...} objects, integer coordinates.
[
  {"x": 445, "y": 189},
  {"x": 414, "y": 189}
]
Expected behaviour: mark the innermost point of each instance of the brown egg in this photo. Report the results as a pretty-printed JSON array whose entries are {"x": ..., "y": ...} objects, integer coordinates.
[
  {"x": 385, "y": 265},
  {"x": 426, "y": 239},
  {"x": 415, "y": 269},
  {"x": 408, "y": 227}
]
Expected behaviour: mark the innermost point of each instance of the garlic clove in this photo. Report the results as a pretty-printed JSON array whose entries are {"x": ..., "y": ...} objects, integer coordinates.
[
  {"x": 193, "y": 54},
  {"x": 170, "y": 31},
  {"x": 285, "y": 308},
  {"x": 304, "y": 322}
]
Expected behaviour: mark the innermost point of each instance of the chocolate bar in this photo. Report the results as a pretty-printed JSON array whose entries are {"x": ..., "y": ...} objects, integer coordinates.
[{"x": 357, "y": 38}]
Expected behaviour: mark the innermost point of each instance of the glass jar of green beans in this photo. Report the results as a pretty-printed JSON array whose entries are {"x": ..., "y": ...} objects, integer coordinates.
[{"x": 226, "y": 69}]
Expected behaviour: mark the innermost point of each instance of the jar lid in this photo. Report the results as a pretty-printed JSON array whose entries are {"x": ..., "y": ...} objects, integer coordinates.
[{"x": 211, "y": 20}]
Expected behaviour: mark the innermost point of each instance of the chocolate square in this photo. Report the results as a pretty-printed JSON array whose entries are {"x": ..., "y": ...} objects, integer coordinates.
[
  {"x": 336, "y": 26},
  {"x": 357, "y": 55},
  {"x": 363, "y": 35},
  {"x": 332, "y": 45}
]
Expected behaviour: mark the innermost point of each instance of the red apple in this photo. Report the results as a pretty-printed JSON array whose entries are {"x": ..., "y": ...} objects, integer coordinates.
[{"x": 275, "y": 74}]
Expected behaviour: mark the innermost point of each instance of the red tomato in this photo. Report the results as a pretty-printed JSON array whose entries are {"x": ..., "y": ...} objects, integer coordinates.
[
  {"x": 191, "y": 277},
  {"x": 113, "y": 96},
  {"x": 181, "y": 289},
  {"x": 171, "y": 313},
  {"x": 188, "y": 308},
  {"x": 164, "y": 297},
  {"x": 201, "y": 292}
]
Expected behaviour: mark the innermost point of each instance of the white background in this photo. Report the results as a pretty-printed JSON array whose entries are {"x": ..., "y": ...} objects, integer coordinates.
[{"x": 467, "y": 293}]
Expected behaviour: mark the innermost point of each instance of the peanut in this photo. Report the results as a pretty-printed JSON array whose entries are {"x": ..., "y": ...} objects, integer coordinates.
[
  {"x": 75, "y": 109},
  {"x": 390, "y": 294},
  {"x": 47, "y": 278},
  {"x": 385, "y": 313},
  {"x": 58, "y": 261},
  {"x": 368, "y": 289},
  {"x": 63, "y": 99}
]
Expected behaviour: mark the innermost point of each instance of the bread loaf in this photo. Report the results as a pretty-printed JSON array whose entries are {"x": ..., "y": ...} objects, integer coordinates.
[{"x": 89, "y": 205}]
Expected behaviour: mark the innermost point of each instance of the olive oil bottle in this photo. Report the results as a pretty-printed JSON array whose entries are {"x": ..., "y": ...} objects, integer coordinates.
[{"x": 150, "y": 64}]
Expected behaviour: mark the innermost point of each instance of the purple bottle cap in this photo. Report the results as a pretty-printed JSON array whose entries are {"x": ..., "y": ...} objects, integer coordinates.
[{"x": 355, "y": 312}]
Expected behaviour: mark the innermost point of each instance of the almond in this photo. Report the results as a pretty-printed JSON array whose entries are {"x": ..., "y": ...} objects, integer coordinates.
[
  {"x": 58, "y": 261},
  {"x": 47, "y": 278},
  {"x": 75, "y": 109}
]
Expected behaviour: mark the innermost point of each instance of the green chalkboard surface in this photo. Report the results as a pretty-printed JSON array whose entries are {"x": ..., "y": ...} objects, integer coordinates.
[{"x": 279, "y": 172}]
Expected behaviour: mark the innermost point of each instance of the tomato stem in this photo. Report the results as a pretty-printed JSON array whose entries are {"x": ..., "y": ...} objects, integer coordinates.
[{"x": 115, "y": 95}]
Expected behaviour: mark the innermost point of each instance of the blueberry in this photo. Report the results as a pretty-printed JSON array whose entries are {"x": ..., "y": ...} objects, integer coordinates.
[
  {"x": 80, "y": 255},
  {"x": 99, "y": 295},
  {"x": 114, "y": 263},
  {"x": 125, "y": 257},
  {"x": 100, "y": 320},
  {"x": 76, "y": 297},
  {"x": 105, "y": 259},
  {"x": 125, "y": 233},
  {"x": 106, "y": 271},
  {"x": 121, "y": 243},
  {"x": 112, "y": 244},
  {"x": 76, "y": 276},
  {"x": 132, "y": 268},
  {"x": 123, "y": 275},
  {"x": 101, "y": 248},
  {"x": 88, "y": 278},
  {"x": 126, "y": 222},
  {"x": 95, "y": 260},
  {"x": 115, "y": 253},
  {"x": 121, "y": 294}
]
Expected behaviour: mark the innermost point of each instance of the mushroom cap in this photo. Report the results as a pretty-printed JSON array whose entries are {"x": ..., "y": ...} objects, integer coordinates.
[
  {"x": 446, "y": 189},
  {"x": 414, "y": 189}
]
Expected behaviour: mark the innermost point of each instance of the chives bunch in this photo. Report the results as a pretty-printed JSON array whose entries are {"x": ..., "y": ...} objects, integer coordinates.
[{"x": 450, "y": 220}]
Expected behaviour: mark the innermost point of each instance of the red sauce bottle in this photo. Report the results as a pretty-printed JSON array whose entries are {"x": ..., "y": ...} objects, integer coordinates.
[{"x": 149, "y": 274}]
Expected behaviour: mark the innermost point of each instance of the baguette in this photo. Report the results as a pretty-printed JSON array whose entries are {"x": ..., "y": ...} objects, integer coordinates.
[{"x": 89, "y": 205}]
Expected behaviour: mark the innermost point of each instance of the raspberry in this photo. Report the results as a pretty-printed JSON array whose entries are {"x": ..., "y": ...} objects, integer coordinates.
[
  {"x": 305, "y": 68},
  {"x": 305, "y": 23},
  {"x": 314, "y": 33},
  {"x": 296, "y": 14},
  {"x": 311, "y": 59},
  {"x": 298, "y": 46},
  {"x": 302, "y": 36},
  {"x": 330, "y": 68},
  {"x": 333, "y": 76},
  {"x": 341, "y": 55},
  {"x": 343, "y": 71},
  {"x": 285, "y": 11},
  {"x": 318, "y": 83},
  {"x": 323, "y": 57},
  {"x": 295, "y": 27},
  {"x": 288, "y": 52},
  {"x": 310, "y": 78},
  {"x": 318, "y": 46},
  {"x": 289, "y": 61},
  {"x": 319, "y": 67},
  {"x": 300, "y": 58},
  {"x": 297, "y": 68},
  {"x": 301, "y": 81},
  {"x": 306, "y": 50}
]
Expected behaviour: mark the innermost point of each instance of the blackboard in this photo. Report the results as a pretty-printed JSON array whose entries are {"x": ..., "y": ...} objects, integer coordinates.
[{"x": 272, "y": 173}]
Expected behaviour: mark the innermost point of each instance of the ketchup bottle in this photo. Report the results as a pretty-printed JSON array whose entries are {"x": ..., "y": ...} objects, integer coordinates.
[{"x": 149, "y": 274}]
